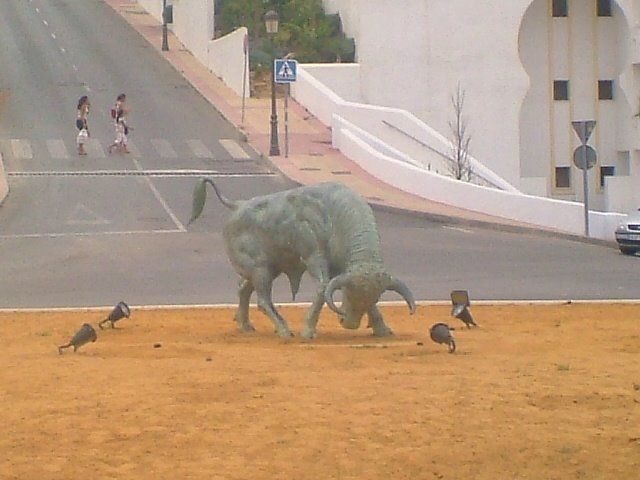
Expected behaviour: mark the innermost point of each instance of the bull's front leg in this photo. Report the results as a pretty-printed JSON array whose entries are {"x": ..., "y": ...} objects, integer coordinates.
[
  {"x": 245, "y": 289},
  {"x": 311, "y": 319},
  {"x": 318, "y": 269},
  {"x": 376, "y": 322}
]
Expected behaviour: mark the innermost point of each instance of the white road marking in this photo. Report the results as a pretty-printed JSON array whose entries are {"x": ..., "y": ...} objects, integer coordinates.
[
  {"x": 53, "y": 35},
  {"x": 21, "y": 148},
  {"x": 173, "y": 217},
  {"x": 86, "y": 234},
  {"x": 45, "y": 22},
  {"x": 164, "y": 148},
  {"x": 83, "y": 215},
  {"x": 57, "y": 148},
  {"x": 199, "y": 149},
  {"x": 94, "y": 149},
  {"x": 235, "y": 150}
]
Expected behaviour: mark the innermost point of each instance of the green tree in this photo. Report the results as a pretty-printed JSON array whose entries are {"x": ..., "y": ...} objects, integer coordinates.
[{"x": 304, "y": 30}]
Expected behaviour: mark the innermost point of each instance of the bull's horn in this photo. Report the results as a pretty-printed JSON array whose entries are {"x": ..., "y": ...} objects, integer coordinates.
[
  {"x": 400, "y": 287},
  {"x": 335, "y": 283}
]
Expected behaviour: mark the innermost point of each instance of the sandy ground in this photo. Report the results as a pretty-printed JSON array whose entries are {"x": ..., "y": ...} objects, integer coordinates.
[{"x": 537, "y": 392}]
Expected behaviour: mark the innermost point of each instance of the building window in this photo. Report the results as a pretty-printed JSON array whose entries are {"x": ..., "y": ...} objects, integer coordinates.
[
  {"x": 605, "y": 89},
  {"x": 561, "y": 89},
  {"x": 563, "y": 177},
  {"x": 560, "y": 8},
  {"x": 606, "y": 171},
  {"x": 603, "y": 8}
]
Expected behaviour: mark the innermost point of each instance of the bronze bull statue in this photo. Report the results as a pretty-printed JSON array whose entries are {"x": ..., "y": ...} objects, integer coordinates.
[{"x": 325, "y": 229}]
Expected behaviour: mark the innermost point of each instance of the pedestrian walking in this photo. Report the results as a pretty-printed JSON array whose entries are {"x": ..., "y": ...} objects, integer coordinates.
[
  {"x": 82, "y": 124},
  {"x": 119, "y": 114}
]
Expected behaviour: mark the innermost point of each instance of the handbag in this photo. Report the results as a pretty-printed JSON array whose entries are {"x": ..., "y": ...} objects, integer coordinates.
[
  {"x": 83, "y": 135},
  {"x": 79, "y": 123}
]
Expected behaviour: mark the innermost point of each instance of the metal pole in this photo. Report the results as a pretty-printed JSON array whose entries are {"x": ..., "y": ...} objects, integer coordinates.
[
  {"x": 274, "y": 149},
  {"x": 585, "y": 188},
  {"x": 165, "y": 34},
  {"x": 286, "y": 122}
]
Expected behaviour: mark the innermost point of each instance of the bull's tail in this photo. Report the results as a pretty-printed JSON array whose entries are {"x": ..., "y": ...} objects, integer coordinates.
[{"x": 200, "y": 198}]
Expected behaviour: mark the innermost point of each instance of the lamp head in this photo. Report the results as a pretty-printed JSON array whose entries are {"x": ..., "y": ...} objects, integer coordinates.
[{"x": 271, "y": 22}]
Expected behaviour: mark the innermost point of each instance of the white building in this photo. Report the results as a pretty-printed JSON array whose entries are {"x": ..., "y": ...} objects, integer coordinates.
[{"x": 528, "y": 69}]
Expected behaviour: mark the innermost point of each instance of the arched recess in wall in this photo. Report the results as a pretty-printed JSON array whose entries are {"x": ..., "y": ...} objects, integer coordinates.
[
  {"x": 533, "y": 49},
  {"x": 586, "y": 52}
]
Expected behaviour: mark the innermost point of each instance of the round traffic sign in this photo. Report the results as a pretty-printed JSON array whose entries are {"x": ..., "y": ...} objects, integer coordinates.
[{"x": 584, "y": 157}]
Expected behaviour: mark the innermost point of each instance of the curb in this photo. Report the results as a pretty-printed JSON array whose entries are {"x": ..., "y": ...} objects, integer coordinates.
[{"x": 421, "y": 303}]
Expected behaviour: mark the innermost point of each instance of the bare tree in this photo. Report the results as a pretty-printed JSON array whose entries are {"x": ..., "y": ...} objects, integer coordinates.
[{"x": 460, "y": 166}]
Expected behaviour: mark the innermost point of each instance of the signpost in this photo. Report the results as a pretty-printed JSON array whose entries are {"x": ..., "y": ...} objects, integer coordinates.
[
  {"x": 286, "y": 71},
  {"x": 245, "y": 60},
  {"x": 585, "y": 157}
]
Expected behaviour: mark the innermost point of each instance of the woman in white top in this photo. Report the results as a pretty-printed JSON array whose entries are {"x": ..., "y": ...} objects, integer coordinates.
[{"x": 121, "y": 110}]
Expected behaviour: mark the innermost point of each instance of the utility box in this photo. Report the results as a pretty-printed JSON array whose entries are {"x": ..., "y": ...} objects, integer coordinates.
[{"x": 167, "y": 14}]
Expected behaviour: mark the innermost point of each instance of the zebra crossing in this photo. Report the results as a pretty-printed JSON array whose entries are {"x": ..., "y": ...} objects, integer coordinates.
[{"x": 62, "y": 149}]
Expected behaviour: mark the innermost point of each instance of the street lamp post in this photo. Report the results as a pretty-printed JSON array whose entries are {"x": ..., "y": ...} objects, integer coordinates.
[
  {"x": 271, "y": 24},
  {"x": 165, "y": 40}
]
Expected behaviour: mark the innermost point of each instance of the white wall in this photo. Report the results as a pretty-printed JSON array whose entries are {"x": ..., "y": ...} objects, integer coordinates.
[
  {"x": 342, "y": 78},
  {"x": 505, "y": 54},
  {"x": 413, "y": 54},
  {"x": 550, "y": 214},
  {"x": 417, "y": 64},
  {"x": 226, "y": 58},
  {"x": 154, "y": 7},
  {"x": 358, "y": 131},
  {"x": 193, "y": 25}
]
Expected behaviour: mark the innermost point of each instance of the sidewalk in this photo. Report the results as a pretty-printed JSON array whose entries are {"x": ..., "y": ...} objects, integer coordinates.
[{"x": 311, "y": 158}]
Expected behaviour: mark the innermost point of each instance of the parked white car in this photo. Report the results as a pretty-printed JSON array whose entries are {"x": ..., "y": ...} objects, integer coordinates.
[{"x": 628, "y": 233}]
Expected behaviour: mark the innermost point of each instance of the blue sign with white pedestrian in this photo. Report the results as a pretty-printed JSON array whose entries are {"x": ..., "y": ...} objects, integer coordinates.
[{"x": 285, "y": 70}]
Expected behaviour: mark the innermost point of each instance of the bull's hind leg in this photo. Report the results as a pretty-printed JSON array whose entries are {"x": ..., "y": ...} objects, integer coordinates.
[
  {"x": 376, "y": 322},
  {"x": 263, "y": 285},
  {"x": 245, "y": 289}
]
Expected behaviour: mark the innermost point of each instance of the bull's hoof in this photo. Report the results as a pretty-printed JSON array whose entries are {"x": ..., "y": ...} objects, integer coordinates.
[
  {"x": 246, "y": 327},
  {"x": 383, "y": 332},
  {"x": 308, "y": 334},
  {"x": 284, "y": 333}
]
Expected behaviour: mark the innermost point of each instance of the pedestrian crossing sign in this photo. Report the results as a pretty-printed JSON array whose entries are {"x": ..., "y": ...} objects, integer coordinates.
[{"x": 285, "y": 70}]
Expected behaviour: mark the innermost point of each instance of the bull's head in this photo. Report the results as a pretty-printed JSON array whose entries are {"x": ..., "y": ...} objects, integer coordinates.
[{"x": 361, "y": 290}]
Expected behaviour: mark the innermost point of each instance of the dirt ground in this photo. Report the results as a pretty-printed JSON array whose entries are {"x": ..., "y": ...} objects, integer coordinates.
[{"x": 537, "y": 392}]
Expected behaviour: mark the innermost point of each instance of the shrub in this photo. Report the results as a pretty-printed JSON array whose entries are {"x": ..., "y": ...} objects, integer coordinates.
[{"x": 304, "y": 31}]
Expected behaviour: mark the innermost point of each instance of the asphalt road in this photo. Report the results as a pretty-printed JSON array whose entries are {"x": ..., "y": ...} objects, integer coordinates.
[{"x": 90, "y": 231}]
